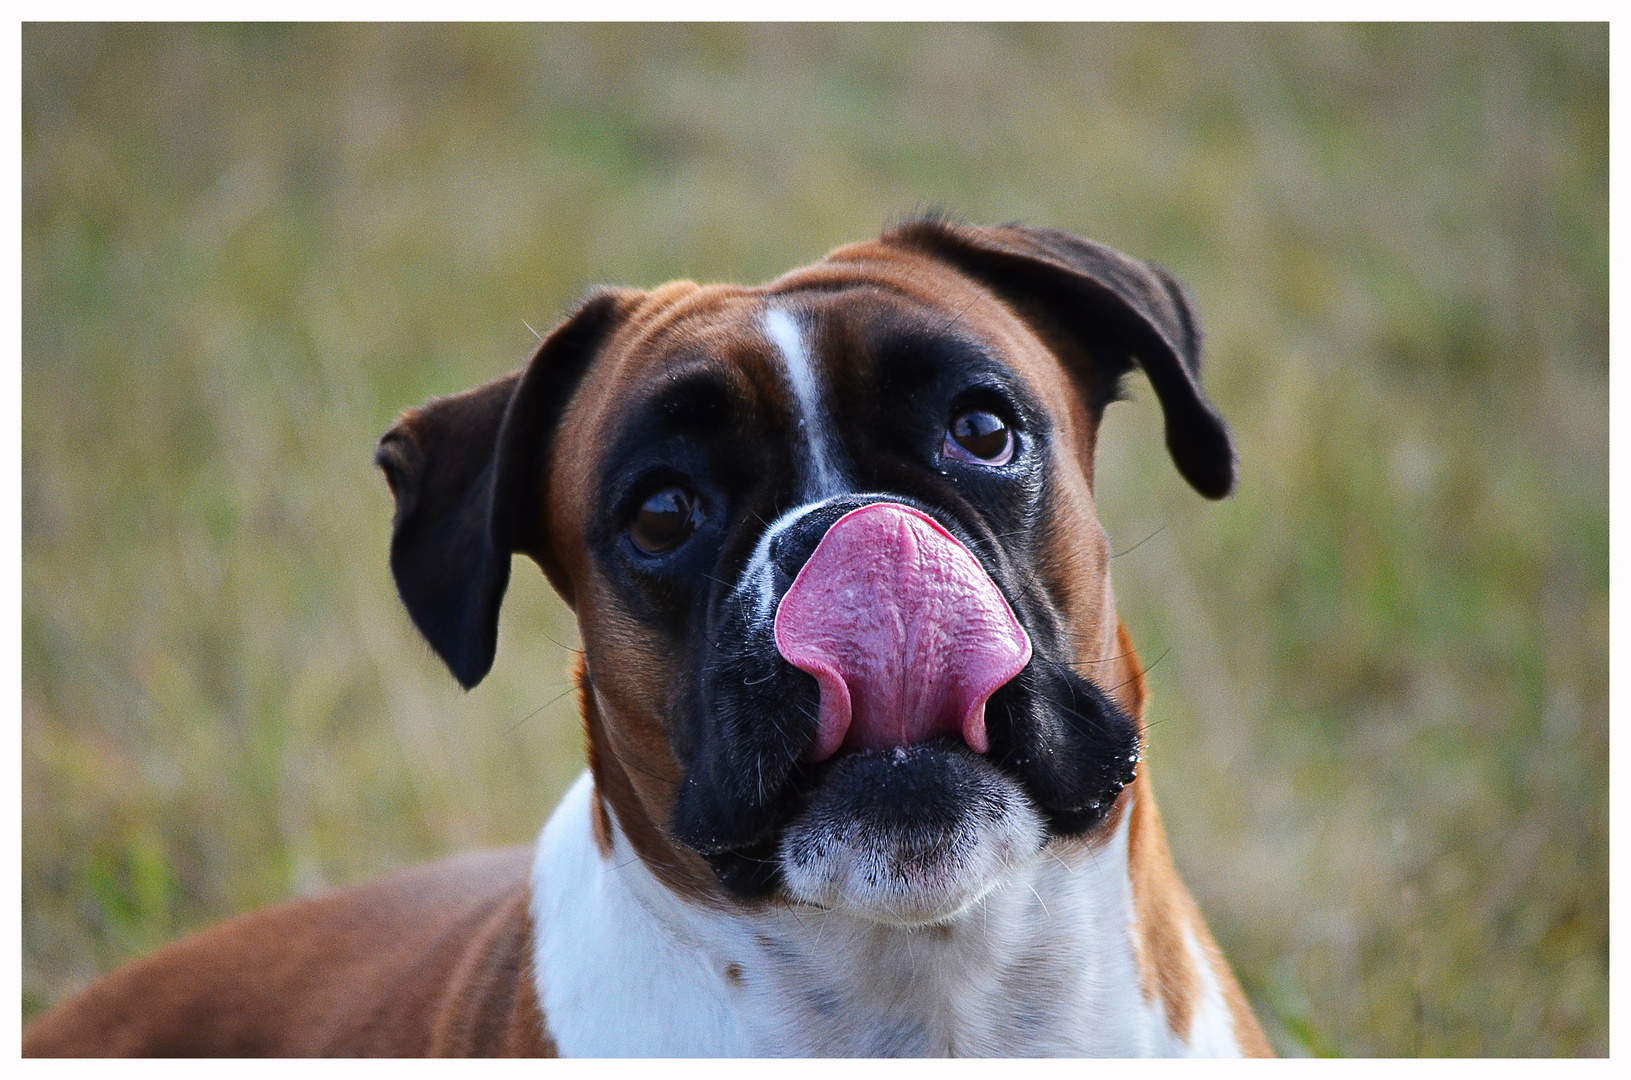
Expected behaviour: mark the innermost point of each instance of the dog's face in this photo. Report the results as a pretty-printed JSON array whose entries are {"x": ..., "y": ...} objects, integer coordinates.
[{"x": 849, "y": 638}]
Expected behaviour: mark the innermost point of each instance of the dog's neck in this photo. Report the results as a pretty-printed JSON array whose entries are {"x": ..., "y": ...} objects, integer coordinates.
[{"x": 1064, "y": 958}]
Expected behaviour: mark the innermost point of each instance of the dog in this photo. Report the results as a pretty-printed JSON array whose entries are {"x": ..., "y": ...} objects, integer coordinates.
[{"x": 863, "y": 724}]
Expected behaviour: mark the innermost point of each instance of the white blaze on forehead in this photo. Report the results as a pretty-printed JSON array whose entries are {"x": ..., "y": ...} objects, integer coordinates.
[{"x": 785, "y": 334}]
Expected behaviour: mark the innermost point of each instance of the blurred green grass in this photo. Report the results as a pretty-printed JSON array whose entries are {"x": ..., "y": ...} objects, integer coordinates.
[{"x": 1379, "y": 722}]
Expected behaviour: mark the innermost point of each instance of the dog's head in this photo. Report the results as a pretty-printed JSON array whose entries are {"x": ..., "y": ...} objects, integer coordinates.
[{"x": 848, "y": 632}]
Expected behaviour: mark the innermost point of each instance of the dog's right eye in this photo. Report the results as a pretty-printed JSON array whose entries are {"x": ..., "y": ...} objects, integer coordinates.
[{"x": 665, "y": 520}]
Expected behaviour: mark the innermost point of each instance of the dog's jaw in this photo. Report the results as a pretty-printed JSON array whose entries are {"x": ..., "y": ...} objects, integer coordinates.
[{"x": 865, "y": 845}]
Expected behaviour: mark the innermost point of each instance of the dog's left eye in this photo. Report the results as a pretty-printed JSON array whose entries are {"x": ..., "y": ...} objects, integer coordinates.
[
  {"x": 979, "y": 438},
  {"x": 665, "y": 520}
]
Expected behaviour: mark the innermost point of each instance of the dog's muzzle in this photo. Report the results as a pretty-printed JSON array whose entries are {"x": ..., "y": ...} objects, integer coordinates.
[{"x": 865, "y": 644}]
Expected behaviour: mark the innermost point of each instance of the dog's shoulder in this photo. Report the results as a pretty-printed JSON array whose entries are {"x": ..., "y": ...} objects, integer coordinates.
[{"x": 433, "y": 960}]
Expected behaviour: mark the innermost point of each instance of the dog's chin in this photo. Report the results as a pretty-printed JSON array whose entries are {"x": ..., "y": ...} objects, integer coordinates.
[{"x": 910, "y": 836}]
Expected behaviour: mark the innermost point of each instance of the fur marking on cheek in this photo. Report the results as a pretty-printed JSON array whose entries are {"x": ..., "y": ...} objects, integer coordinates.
[{"x": 785, "y": 334}]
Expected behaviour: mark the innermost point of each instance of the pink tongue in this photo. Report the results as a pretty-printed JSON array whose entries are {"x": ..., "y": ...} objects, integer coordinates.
[{"x": 903, "y": 629}]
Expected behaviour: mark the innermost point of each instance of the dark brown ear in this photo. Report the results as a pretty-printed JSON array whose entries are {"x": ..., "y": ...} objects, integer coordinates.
[
  {"x": 1092, "y": 302},
  {"x": 465, "y": 471}
]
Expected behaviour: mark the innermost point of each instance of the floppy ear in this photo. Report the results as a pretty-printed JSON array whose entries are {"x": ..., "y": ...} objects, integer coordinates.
[
  {"x": 466, "y": 472},
  {"x": 1085, "y": 298}
]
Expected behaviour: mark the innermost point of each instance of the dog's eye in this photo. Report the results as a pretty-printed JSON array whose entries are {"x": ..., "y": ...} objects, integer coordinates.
[
  {"x": 665, "y": 520},
  {"x": 980, "y": 438}
]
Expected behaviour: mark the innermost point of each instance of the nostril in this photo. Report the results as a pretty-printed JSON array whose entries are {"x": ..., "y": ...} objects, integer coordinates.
[
  {"x": 788, "y": 556},
  {"x": 790, "y": 547},
  {"x": 793, "y": 548}
]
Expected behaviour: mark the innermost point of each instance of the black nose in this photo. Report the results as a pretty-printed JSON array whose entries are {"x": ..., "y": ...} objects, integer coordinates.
[{"x": 793, "y": 547}]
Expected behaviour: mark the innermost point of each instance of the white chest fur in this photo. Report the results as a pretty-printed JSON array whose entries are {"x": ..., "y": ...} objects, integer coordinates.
[{"x": 1042, "y": 966}]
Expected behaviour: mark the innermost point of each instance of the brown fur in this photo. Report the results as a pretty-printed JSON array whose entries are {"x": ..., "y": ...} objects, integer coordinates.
[
  {"x": 1165, "y": 910},
  {"x": 1162, "y": 902},
  {"x": 432, "y": 961}
]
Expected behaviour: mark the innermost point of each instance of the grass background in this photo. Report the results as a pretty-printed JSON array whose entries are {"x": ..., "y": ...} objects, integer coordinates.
[{"x": 1379, "y": 722}]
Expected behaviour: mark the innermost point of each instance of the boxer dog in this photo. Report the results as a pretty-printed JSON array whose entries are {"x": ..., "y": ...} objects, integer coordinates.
[{"x": 863, "y": 726}]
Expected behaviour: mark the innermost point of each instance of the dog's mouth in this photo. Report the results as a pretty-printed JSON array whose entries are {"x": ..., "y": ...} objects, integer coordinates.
[
  {"x": 907, "y": 835},
  {"x": 901, "y": 752}
]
